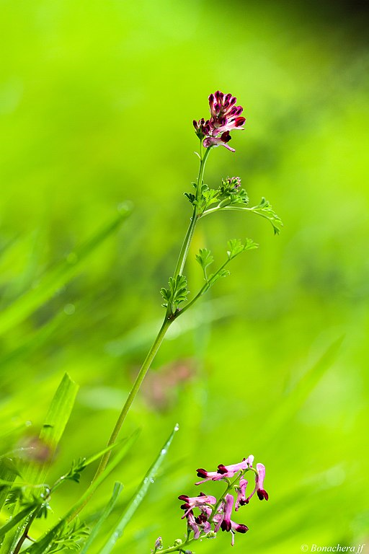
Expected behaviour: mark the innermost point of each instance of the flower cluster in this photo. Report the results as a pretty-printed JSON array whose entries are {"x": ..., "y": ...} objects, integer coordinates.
[
  {"x": 230, "y": 185},
  {"x": 225, "y": 116},
  {"x": 206, "y": 515}
]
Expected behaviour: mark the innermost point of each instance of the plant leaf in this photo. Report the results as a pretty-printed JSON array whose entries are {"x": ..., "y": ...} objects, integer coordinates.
[
  {"x": 55, "y": 422},
  {"x": 16, "y": 519},
  {"x": 176, "y": 293},
  {"x": 138, "y": 496},
  {"x": 41, "y": 546},
  {"x": 265, "y": 210},
  {"x": 205, "y": 258},
  {"x": 118, "y": 487}
]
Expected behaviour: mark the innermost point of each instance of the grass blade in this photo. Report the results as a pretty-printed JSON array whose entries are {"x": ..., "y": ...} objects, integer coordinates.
[
  {"x": 55, "y": 423},
  {"x": 118, "y": 487},
  {"x": 138, "y": 496},
  {"x": 41, "y": 546},
  {"x": 8, "y": 474},
  {"x": 57, "y": 277},
  {"x": 15, "y": 520}
]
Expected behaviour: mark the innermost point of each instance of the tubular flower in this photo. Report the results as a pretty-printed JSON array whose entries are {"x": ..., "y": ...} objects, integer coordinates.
[
  {"x": 261, "y": 492},
  {"x": 259, "y": 484},
  {"x": 206, "y": 515},
  {"x": 225, "y": 117},
  {"x": 224, "y": 472},
  {"x": 192, "y": 525},
  {"x": 229, "y": 525},
  {"x": 241, "y": 494},
  {"x": 200, "y": 501},
  {"x": 208, "y": 476},
  {"x": 231, "y": 470},
  {"x": 226, "y": 523}
]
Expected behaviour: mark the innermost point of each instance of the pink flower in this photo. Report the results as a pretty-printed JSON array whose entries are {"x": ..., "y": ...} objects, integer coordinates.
[
  {"x": 226, "y": 523},
  {"x": 261, "y": 492},
  {"x": 231, "y": 470},
  {"x": 224, "y": 472},
  {"x": 191, "y": 522},
  {"x": 217, "y": 141},
  {"x": 229, "y": 525},
  {"x": 208, "y": 476},
  {"x": 203, "y": 523},
  {"x": 259, "y": 484},
  {"x": 241, "y": 494},
  {"x": 201, "y": 501},
  {"x": 225, "y": 117}
]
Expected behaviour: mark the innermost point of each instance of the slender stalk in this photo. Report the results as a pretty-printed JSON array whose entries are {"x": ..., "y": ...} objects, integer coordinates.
[
  {"x": 164, "y": 328},
  {"x": 204, "y": 288},
  {"x": 132, "y": 394},
  {"x": 187, "y": 240},
  {"x": 26, "y": 531}
]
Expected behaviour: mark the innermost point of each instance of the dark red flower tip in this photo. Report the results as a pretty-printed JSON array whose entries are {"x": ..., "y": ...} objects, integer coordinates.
[
  {"x": 239, "y": 121},
  {"x": 226, "y": 525},
  {"x": 184, "y": 497},
  {"x": 202, "y": 473},
  {"x": 201, "y": 518},
  {"x": 226, "y": 137},
  {"x": 241, "y": 528},
  {"x": 262, "y": 494},
  {"x": 222, "y": 468}
]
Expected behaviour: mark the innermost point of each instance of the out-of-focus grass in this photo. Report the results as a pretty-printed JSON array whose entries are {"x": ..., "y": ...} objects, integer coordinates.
[{"x": 96, "y": 103}]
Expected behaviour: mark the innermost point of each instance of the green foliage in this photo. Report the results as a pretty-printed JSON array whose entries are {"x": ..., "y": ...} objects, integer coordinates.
[
  {"x": 118, "y": 487},
  {"x": 75, "y": 471},
  {"x": 227, "y": 194},
  {"x": 52, "y": 534},
  {"x": 230, "y": 192},
  {"x": 236, "y": 247},
  {"x": 205, "y": 258},
  {"x": 69, "y": 537},
  {"x": 8, "y": 473},
  {"x": 74, "y": 80},
  {"x": 78, "y": 466},
  {"x": 53, "y": 427},
  {"x": 176, "y": 293},
  {"x": 139, "y": 495},
  {"x": 264, "y": 209}
]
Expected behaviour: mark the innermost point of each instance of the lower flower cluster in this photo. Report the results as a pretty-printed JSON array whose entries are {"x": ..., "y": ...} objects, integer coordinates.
[{"x": 206, "y": 515}]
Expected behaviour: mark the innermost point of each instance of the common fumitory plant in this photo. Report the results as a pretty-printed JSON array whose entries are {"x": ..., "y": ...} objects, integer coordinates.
[
  {"x": 24, "y": 487},
  {"x": 206, "y": 515}
]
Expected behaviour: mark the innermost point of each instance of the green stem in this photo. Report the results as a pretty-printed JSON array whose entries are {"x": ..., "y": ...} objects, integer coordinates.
[
  {"x": 132, "y": 394},
  {"x": 180, "y": 547},
  {"x": 165, "y": 326},
  {"x": 219, "y": 208},
  {"x": 187, "y": 240},
  {"x": 203, "y": 289},
  {"x": 26, "y": 531}
]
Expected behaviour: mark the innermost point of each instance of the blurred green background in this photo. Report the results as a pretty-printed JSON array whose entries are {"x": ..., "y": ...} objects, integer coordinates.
[{"x": 96, "y": 102}]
